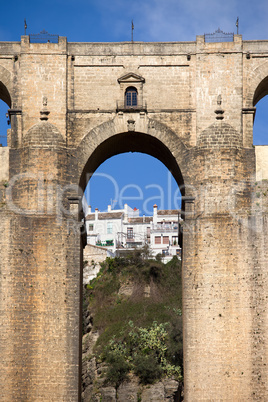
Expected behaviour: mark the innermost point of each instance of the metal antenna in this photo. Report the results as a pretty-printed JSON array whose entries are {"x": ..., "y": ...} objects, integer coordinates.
[
  {"x": 25, "y": 26},
  {"x": 132, "y": 29},
  {"x": 237, "y": 24}
]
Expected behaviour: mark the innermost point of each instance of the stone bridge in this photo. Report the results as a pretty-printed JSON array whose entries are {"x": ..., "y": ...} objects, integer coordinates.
[{"x": 192, "y": 106}]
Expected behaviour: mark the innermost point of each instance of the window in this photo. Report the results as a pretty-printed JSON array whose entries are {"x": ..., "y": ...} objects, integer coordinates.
[
  {"x": 131, "y": 93},
  {"x": 131, "y": 97},
  {"x": 165, "y": 240},
  {"x": 157, "y": 240},
  {"x": 90, "y": 227},
  {"x": 109, "y": 227},
  {"x": 130, "y": 233}
]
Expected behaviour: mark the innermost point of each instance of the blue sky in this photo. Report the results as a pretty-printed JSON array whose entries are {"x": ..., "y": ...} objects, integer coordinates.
[{"x": 154, "y": 20}]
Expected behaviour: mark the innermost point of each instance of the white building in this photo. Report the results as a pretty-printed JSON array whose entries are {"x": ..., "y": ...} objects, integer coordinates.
[
  {"x": 164, "y": 232},
  {"x": 124, "y": 229}
]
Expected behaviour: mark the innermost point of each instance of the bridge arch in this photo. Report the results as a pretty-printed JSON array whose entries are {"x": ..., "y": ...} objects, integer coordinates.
[
  {"x": 153, "y": 138},
  {"x": 5, "y": 86},
  {"x": 260, "y": 101},
  {"x": 257, "y": 85},
  {"x": 5, "y": 102},
  {"x": 108, "y": 140},
  {"x": 256, "y": 90}
]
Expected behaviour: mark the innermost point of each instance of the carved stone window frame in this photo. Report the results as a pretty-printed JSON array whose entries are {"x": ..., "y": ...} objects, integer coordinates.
[{"x": 131, "y": 80}]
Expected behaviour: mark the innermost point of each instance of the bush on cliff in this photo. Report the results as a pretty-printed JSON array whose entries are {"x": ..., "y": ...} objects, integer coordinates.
[{"x": 138, "y": 334}]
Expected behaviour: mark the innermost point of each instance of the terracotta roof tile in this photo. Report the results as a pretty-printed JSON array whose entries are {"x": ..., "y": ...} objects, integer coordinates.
[
  {"x": 105, "y": 215},
  {"x": 168, "y": 211},
  {"x": 140, "y": 219}
]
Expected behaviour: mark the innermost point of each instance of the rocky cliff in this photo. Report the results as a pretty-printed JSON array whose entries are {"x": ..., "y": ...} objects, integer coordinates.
[{"x": 144, "y": 291}]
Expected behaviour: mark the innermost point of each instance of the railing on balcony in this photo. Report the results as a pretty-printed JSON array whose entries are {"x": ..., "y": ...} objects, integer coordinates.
[
  {"x": 107, "y": 243},
  {"x": 131, "y": 238},
  {"x": 135, "y": 239},
  {"x": 165, "y": 228},
  {"x": 122, "y": 107}
]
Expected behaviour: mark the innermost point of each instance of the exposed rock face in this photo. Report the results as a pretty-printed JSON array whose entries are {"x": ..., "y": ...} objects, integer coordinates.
[
  {"x": 173, "y": 390},
  {"x": 108, "y": 394},
  {"x": 94, "y": 390},
  {"x": 128, "y": 391},
  {"x": 93, "y": 257}
]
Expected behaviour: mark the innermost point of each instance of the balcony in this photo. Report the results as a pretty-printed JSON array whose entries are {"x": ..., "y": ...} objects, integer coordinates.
[
  {"x": 164, "y": 228},
  {"x": 122, "y": 107},
  {"x": 107, "y": 243}
]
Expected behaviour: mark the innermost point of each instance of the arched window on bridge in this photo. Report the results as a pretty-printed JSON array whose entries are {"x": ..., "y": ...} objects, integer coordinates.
[{"x": 131, "y": 97}]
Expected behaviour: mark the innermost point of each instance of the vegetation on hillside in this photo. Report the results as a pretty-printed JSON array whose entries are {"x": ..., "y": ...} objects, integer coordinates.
[{"x": 141, "y": 329}]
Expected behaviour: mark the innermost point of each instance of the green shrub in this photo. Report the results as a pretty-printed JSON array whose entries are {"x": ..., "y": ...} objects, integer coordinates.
[
  {"x": 142, "y": 350},
  {"x": 118, "y": 369},
  {"x": 147, "y": 369},
  {"x": 158, "y": 257},
  {"x": 145, "y": 347}
]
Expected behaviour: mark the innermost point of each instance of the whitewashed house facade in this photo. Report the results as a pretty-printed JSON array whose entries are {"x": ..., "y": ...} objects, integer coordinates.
[{"x": 121, "y": 230}]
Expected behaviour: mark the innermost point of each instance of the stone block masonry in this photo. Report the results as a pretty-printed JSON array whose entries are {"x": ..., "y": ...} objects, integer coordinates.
[{"x": 196, "y": 105}]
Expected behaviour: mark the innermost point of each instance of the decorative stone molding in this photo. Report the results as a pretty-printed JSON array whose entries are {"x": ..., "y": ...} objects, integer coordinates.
[
  {"x": 131, "y": 125},
  {"x": 44, "y": 112},
  {"x": 219, "y": 111},
  {"x": 133, "y": 80}
]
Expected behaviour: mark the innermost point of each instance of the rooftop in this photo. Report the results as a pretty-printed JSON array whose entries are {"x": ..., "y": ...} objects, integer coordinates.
[{"x": 105, "y": 215}]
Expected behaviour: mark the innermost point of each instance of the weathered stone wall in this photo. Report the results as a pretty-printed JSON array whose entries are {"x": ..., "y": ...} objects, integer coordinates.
[
  {"x": 40, "y": 274},
  {"x": 77, "y": 87},
  {"x": 261, "y": 162},
  {"x": 4, "y": 167},
  {"x": 218, "y": 72}
]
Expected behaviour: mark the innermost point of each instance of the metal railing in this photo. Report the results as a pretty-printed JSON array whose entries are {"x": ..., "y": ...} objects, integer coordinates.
[
  {"x": 107, "y": 243},
  {"x": 44, "y": 37},
  {"x": 219, "y": 36},
  {"x": 135, "y": 237},
  {"x": 122, "y": 107},
  {"x": 164, "y": 228}
]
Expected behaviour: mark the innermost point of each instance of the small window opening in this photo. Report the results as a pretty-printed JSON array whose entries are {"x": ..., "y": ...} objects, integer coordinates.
[
  {"x": 130, "y": 234},
  {"x": 131, "y": 97},
  {"x": 109, "y": 227}
]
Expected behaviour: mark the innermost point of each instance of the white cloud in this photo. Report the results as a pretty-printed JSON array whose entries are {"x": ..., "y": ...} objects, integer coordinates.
[
  {"x": 172, "y": 20},
  {"x": 154, "y": 20}
]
